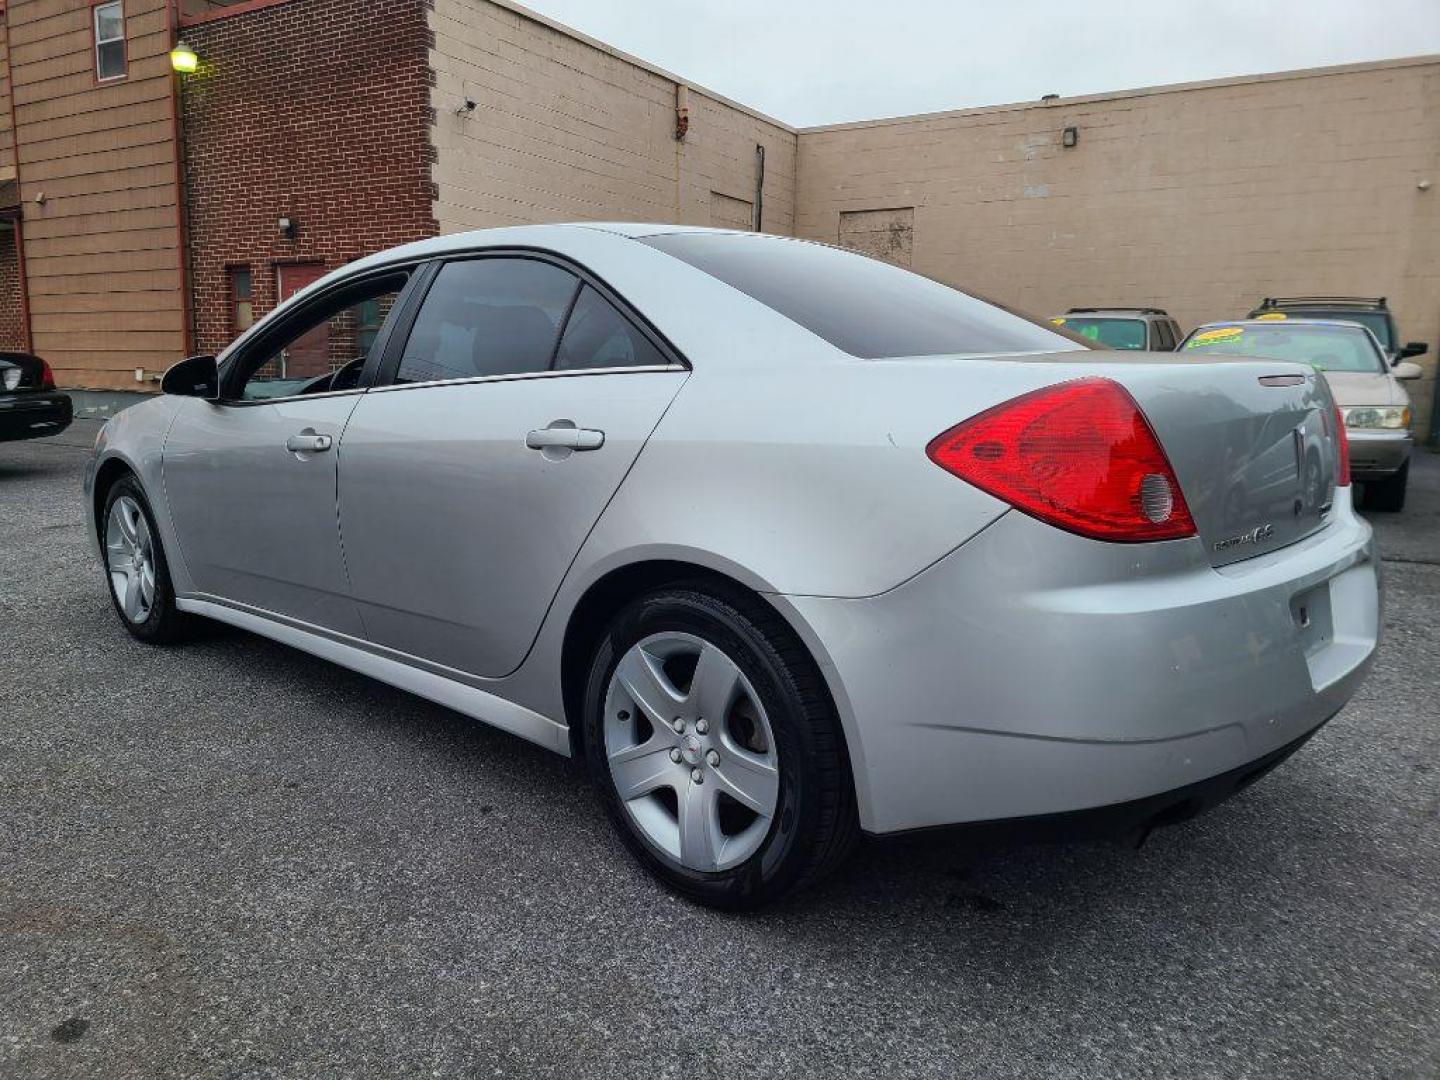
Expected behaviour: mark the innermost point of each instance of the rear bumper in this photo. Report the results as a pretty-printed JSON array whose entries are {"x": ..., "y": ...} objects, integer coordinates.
[
  {"x": 1375, "y": 455},
  {"x": 33, "y": 415},
  {"x": 1032, "y": 672}
]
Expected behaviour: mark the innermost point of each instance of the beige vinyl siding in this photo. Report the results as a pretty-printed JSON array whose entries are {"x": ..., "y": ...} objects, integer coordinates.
[
  {"x": 102, "y": 250},
  {"x": 567, "y": 129}
]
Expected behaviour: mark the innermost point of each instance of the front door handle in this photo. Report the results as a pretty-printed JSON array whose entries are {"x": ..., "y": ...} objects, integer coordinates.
[
  {"x": 564, "y": 435},
  {"x": 307, "y": 442}
]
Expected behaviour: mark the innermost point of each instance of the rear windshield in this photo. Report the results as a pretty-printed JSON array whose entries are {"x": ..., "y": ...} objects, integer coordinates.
[
  {"x": 1377, "y": 322},
  {"x": 1116, "y": 333},
  {"x": 860, "y": 305},
  {"x": 1328, "y": 348}
]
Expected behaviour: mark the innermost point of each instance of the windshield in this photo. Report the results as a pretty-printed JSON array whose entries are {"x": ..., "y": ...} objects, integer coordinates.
[
  {"x": 860, "y": 305},
  {"x": 1377, "y": 322},
  {"x": 1328, "y": 348},
  {"x": 1116, "y": 333}
]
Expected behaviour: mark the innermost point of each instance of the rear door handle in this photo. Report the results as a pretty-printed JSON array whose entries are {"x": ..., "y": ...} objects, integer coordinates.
[
  {"x": 565, "y": 438},
  {"x": 307, "y": 443}
]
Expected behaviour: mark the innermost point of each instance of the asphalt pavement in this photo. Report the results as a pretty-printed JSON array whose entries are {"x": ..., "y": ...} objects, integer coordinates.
[{"x": 227, "y": 859}]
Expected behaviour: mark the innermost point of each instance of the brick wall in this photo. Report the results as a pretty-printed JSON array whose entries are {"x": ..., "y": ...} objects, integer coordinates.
[
  {"x": 568, "y": 129},
  {"x": 1201, "y": 199},
  {"x": 12, "y": 321},
  {"x": 317, "y": 111}
]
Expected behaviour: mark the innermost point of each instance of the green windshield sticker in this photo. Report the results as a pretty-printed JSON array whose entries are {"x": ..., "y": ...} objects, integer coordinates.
[{"x": 1091, "y": 332}]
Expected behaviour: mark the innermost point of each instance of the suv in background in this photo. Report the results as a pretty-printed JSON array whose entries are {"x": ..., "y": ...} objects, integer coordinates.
[
  {"x": 1370, "y": 312},
  {"x": 1123, "y": 327}
]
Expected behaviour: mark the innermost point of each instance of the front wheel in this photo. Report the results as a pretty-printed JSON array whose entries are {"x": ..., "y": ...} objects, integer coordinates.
[
  {"x": 716, "y": 749},
  {"x": 1388, "y": 495},
  {"x": 136, "y": 569}
]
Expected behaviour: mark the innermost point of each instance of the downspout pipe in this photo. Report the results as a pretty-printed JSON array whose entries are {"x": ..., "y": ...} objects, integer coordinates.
[{"x": 759, "y": 187}]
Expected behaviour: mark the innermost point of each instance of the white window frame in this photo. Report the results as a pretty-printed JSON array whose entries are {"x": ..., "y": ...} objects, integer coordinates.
[{"x": 118, "y": 5}]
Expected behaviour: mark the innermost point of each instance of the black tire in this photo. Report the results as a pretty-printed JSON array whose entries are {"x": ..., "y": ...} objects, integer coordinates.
[
  {"x": 165, "y": 623},
  {"x": 815, "y": 825},
  {"x": 1388, "y": 495}
]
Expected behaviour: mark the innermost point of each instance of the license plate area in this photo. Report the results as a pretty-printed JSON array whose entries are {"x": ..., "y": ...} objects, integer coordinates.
[
  {"x": 1337, "y": 623},
  {"x": 1310, "y": 611}
]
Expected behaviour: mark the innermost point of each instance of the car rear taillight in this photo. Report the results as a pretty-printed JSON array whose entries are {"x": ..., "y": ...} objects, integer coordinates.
[
  {"x": 1342, "y": 447},
  {"x": 1080, "y": 455},
  {"x": 47, "y": 377}
]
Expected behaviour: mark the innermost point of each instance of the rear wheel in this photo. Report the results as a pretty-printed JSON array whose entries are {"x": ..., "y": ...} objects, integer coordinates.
[
  {"x": 1388, "y": 495},
  {"x": 136, "y": 569},
  {"x": 716, "y": 749}
]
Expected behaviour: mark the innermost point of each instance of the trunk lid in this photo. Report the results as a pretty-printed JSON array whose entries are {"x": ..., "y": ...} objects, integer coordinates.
[{"x": 1252, "y": 442}]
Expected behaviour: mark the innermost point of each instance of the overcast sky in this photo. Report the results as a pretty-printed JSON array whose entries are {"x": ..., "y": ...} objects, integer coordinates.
[{"x": 826, "y": 61}]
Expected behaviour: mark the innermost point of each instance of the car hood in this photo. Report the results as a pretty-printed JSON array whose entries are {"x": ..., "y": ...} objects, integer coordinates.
[{"x": 1365, "y": 388}]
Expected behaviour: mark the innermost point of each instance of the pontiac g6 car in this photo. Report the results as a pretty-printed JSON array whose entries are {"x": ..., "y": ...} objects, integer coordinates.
[{"x": 785, "y": 543}]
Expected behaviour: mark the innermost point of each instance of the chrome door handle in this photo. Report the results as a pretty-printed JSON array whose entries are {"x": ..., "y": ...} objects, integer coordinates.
[
  {"x": 307, "y": 443},
  {"x": 565, "y": 438}
]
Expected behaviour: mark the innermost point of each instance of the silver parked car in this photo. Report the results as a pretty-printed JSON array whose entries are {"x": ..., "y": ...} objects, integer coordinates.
[
  {"x": 786, "y": 543},
  {"x": 1365, "y": 382}
]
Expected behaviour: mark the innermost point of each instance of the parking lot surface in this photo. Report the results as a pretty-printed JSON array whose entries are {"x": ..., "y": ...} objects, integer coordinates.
[{"x": 227, "y": 859}]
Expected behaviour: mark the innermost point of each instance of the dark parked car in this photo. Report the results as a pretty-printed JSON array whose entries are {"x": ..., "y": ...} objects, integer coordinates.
[
  {"x": 29, "y": 405},
  {"x": 1371, "y": 312}
]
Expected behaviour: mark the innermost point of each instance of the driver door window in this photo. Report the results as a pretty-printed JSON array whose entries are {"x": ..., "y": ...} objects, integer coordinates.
[{"x": 323, "y": 348}]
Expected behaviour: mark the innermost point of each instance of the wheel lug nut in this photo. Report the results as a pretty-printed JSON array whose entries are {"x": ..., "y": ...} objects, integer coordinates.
[
  {"x": 702, "y": 726},
  {"x": 675, "y": 755},
  {"x": 713, "y": 758},
  {"x": 697, "y": 776},
  {"x": 678, "y": 725}
]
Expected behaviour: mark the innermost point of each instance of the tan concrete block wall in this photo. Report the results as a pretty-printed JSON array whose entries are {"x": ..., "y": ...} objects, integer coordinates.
[
  {"x": 1201, "y": 200},
  {"x": 567, "y": 129}
]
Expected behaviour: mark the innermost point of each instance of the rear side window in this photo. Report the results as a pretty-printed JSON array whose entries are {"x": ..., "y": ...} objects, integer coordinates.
[
  {"x": 488, "y": 317},
  {"x": 598, "y": 336},
  {"x": 862, "y": 306},
  {"x": 1112, "y": 333}
]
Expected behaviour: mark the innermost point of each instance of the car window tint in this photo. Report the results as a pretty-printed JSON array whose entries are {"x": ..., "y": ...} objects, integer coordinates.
[
  {"x": 1163, "y": 341},
  {"x": 598, "y": 336},
  {"x": 860, "y": 305},
  {"x": 1113, "y": 333},
  {"x": 326, "y": 336},
  {"x": 488, "y": 317}
]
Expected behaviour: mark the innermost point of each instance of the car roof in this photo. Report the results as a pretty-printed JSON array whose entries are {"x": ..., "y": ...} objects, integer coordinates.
[
  {"x": 1118, "y": 312},
  {"x": 1345, "y": 323}
]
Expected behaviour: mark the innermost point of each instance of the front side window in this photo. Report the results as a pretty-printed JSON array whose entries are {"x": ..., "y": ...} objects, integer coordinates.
[
  {"x": 598, "y": 336},
  {"x": 1328, "y": 348},
  {"x": 319, "y": 349},
  {"x": 110, "y": 41},
  {"x": 484, "y": 317},
  {"x": 860, "y": 305}
]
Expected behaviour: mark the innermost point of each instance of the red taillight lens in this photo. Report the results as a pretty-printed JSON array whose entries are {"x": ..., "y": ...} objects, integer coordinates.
[
  {"x": 47, "y": 377},
  {"x": 1342, "y": 447},
  {"x": 1080, "y": 455}
]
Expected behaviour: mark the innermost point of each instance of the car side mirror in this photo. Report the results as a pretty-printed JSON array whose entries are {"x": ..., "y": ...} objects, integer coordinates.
[
  {"x": 1415, "y": 348},
  {"x": 1406, "y": 370},
  {"x": 195, "y": 376}
]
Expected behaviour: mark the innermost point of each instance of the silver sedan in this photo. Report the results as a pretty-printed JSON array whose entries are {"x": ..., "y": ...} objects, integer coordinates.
[{"x": 785, "y": 543}]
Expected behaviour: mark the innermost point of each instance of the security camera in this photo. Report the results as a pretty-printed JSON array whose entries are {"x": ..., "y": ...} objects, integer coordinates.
[{"x": 466, "y": 108}]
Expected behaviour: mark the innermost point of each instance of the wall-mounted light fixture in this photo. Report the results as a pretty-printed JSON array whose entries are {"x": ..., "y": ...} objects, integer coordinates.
[
  {"x": 183, "y": 59},
  {"x": 1069, "y": 137},
  {"x": 287, "y": 227}
]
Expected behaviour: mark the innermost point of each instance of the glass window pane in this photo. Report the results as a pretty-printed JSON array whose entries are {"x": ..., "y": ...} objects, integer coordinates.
[
  {"x": 109, "y": 22},
  {"x": 110, "y": 59},
  {"x": 244, "y": 315},
  {"x": 334, "y": 338},
  {"x": 240, "y": 282},
  {"x": 598, "y": 336},
  {"x": 862, "y": 306},
  {"x": 488, "y": 317}
]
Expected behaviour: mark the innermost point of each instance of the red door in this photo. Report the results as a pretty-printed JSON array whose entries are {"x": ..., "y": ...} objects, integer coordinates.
[{"x": 309, "y": 355}]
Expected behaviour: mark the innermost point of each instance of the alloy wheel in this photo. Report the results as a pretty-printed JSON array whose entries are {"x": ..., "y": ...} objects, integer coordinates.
[
  {"x": 690, "y": 750},
  {"x": 130, "y": 558}
]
